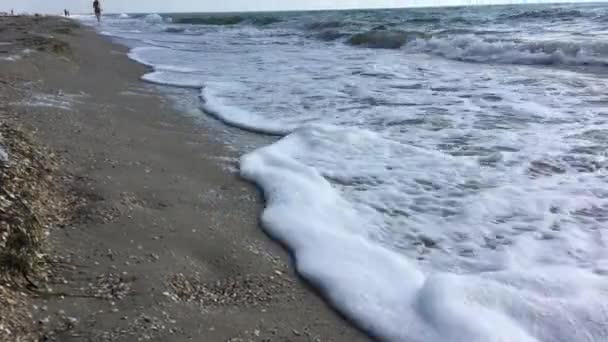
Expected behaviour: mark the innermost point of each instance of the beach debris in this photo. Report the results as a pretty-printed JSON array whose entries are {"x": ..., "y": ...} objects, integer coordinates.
[
  {"x": 31, "y": 200},
  {"x": 16, "y": 323},
  {"x": 248, "y": 290},
  {"x": 111, "y": 286},
  {"x": 46, "y": 43},
  {"x": 3, "y": 156}
]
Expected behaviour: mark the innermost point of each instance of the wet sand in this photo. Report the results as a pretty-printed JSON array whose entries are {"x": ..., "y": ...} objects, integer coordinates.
[{"x": 165, "y": 245}]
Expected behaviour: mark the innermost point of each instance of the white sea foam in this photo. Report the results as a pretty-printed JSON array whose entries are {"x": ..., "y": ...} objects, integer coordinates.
[
  {"x": 428, "y": 199},
  {"x": 476, "y": 49},
  {"x": 394, "y": 298},
  {"x": 153, "y": 19},
  {"x": 16, "y": 57},
  {"x": 235, "y": 116},
  {"x": 177, "y": 79},
  {"x": 11, "y": 58},
  {"x": 62, "y": 101},
  {"x": 138, "y": 55},
  {"x": 124, "y": 16}
]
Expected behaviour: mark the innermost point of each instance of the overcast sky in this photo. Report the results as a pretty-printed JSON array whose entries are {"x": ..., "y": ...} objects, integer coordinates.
[{"x": 120, "y": 6}]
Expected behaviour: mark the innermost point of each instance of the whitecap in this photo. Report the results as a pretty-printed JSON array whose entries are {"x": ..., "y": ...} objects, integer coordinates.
[{"x": 153, "y": 19}]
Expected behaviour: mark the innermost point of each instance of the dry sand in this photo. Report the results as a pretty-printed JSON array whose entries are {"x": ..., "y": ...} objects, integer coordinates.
[{"x": 166, "y": 244}]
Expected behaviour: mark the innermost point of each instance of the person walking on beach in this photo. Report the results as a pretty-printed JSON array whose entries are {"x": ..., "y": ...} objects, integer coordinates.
[{"x": 97, "y": 8}]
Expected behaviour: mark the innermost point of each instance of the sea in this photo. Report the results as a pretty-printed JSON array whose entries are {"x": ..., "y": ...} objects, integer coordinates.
[{"x": 439, "y": 174}]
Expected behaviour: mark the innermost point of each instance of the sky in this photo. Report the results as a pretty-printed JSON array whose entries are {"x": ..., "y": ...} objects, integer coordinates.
[{"x": 158, "y": 6}]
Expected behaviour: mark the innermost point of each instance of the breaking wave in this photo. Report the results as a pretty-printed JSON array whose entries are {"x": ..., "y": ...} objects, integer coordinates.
[
  {"x": 385, "y": 39},
  {"x": 329, "y": 35},
  {"x": 417, "y": 194},
  {"x": 153, "y": 18},
  {"x": 475, "y": 49}
]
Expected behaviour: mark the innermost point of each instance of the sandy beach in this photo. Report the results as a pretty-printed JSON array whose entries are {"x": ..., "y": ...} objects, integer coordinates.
[{"x": 164, "y": 244}]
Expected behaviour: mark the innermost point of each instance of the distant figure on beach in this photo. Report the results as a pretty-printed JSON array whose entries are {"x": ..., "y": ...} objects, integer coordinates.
[
  {"x": 12, "y": 12},
  {"x": 97, "y": 8},
  {"x": 65, "y": 12}
]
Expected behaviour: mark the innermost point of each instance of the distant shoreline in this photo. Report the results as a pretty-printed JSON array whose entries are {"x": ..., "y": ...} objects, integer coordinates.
[{"x": 502, "y": 4}]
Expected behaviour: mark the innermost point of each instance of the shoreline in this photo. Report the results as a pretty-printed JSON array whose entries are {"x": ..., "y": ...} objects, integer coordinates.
[{"x": 168, "y": 245}]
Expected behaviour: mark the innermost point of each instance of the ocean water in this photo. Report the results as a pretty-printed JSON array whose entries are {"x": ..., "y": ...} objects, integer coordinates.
[{"x": 440, "y": 174}]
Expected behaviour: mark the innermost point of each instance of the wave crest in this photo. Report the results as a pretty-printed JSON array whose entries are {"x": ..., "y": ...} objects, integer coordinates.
[
  {"x": 212, "y": 20},
  {"x": 424, "y": 20},
  {"x": 385, "y": 39},
  {"x": 153, "y": 18},
  {"x": 264, "y": 21},
  {"x": 175, "y": 29},
  {"x": 547, "y": 13},
  {"x": 323, "y": 25},
  {"x": 475, "y": 49},
  {"x": 329, "y": 35}
]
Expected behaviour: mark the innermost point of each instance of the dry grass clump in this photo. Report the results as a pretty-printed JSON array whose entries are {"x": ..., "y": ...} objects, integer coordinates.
[
  {"x": 25, "y": 194},
  {"x": 46, "y": 44},
  {"x": 15, "y": 322},
  {"x": 30, "y": 200}
]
